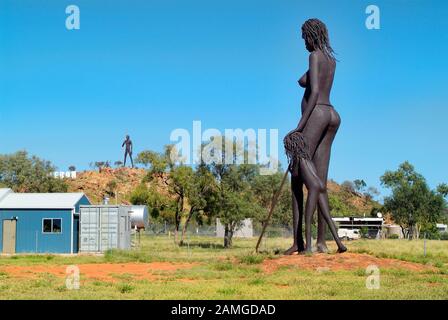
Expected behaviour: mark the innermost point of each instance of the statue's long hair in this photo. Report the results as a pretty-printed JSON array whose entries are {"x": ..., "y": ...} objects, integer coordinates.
[{"x": 316, "y": 33}]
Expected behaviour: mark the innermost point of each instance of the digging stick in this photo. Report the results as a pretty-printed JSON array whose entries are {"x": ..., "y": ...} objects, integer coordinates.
[{"x": 274, "y": 203}]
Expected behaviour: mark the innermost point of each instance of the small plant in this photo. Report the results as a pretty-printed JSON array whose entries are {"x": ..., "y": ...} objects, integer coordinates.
[
  {"x": 364, "y": 232},
  {"x": 252, "y": 259},
  {"x": 111, "y": 188},
  {"x": 118, "y": 163},
  {"x": 228, "y": 291},
  {"x": 61, "y": 288},
  {"x": 394, "y": 236},
  {"x": 444, "y": 236},
  {"x": 125, "y": 288},
  {"x": 360, "y": 272},
  {"x": 257, "y": 282},
  {"x": 223, "y": 266}
]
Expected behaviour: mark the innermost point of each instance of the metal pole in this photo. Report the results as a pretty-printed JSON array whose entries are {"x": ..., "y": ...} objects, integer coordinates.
[
  {"x": 424, "y": 245},
  {"x": 274, "y": 203}
]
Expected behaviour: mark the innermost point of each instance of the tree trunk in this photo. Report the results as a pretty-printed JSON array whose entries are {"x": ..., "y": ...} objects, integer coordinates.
[
  {"x": 417, "y": 230},
  {"x": 184, "y": 229},
  {"x": 411, "y": 232},
  {"x": 403, "y": 231},
  {"x": 177, "y": 217},
  {"x": 228, "y": 234}
]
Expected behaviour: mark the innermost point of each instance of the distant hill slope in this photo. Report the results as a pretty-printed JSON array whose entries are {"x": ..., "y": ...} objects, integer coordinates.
[
  {"x": 345, "y": 202},
  {"x": 96, "y": 185},
  {"x": 117, "y": 184}
]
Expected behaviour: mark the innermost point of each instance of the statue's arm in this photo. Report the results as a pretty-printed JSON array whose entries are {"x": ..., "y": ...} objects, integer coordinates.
[
  {"x": 122, "y": 145},
  {"x": 313, "y": 73}
]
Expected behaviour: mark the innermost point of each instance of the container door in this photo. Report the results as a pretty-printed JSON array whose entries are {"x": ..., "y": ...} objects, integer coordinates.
[
  {"x": 9, "y": 236},
  {"x": 75, "y": 234},
  {"x": 89, "y": 233},
  {"x": 109, "y": 228},
  {"x": 124, "y": 240}
]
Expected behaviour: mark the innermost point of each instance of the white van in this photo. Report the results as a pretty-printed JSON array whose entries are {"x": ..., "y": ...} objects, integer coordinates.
[{"x": 349, "y": 234}]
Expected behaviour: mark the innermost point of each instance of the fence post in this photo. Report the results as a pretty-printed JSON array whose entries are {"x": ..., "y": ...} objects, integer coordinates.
[{"x": 424, "y": 245}]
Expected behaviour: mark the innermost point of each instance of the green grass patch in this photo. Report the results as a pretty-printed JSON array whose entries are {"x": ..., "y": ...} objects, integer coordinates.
[{"x": 252, "y": 259}]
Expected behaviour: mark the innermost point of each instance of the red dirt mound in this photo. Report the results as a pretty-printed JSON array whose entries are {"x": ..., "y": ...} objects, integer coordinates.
[{"x": 335, "y": 262}]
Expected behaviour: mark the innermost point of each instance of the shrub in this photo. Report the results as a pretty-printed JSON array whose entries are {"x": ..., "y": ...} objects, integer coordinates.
[
  {"x": 252, "y": 259},
  {"x": 223, "y": 266},
  {"x": 364, "y": 232},
  {"x": 444, "y": 236},
  {"x": 125, "y": 288},
  {"x": 394, "y": 236}
]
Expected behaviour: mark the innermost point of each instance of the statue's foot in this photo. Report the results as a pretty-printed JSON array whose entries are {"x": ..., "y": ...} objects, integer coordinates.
[
  {"x": 342, "y": 249},
  {"x": 291, "y": 250},
  {"x": 322, "y": 247},
  {"x": 307, "y": 252}
]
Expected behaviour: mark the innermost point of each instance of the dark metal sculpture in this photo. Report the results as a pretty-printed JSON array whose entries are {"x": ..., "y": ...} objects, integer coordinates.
[
  {"x": 128, "y": 151},
  {"x": 308, "y": 146}
]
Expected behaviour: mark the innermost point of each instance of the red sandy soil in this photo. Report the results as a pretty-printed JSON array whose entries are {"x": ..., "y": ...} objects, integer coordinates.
[
  {"x": 158, "y": 270},
  {"x": 100, "y": 271},
  {"x": 345, "y": 261}
]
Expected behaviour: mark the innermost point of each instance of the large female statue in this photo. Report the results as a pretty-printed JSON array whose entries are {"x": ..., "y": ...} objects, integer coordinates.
[{"x": 308, "y": 146}]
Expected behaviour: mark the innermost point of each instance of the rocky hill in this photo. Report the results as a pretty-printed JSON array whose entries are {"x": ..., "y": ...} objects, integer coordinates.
[{"x": 117, "y": 184}]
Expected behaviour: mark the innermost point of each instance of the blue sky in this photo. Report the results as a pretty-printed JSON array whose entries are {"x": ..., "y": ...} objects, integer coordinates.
[{"x": 148, "y": 67}]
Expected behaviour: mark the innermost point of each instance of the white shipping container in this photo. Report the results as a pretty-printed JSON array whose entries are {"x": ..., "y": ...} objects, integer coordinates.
[{"x": 104, "y": 227}]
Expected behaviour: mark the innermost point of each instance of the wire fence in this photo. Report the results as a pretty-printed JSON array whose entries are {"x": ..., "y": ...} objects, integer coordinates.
[{"x": 211, "y": 230}]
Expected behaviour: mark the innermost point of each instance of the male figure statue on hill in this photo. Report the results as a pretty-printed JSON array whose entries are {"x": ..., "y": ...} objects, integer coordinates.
[{"x": 128, "y": 151}]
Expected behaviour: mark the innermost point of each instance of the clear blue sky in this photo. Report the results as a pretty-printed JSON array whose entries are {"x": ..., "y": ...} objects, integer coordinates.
[{"x": 148, "y": 67}]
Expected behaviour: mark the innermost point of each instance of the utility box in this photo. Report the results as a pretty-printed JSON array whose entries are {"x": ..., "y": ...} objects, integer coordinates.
[{"x": 104, "y": 227}]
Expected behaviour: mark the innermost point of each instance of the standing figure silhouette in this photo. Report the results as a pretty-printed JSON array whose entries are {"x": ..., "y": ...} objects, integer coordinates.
[{"x": 128, "y": 151}]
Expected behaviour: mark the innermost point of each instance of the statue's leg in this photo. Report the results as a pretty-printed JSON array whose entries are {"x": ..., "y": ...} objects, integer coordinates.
[
  {"x": 325, "y": 209},
  {"x": 132, "y": 161},
  {"x": 297, "y": 213},
  {"x": 125, "y": 156},
  {"x": 314, "y": 187},
  {"x": 321, "y": 161},
  {"x": 316, "y": 194},
  {"x": 314, "y": 131}
]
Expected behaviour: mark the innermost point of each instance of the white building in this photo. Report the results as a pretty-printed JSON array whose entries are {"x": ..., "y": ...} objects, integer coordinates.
[{"x": 245, "y": 231}]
